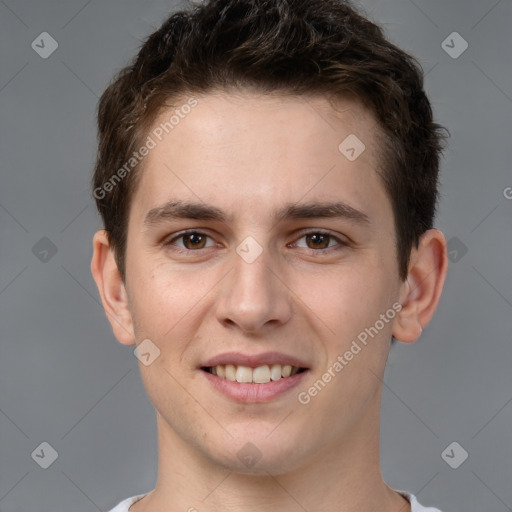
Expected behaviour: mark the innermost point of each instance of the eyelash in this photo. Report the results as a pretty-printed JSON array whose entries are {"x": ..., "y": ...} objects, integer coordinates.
[{"x": 340, "y": 243}]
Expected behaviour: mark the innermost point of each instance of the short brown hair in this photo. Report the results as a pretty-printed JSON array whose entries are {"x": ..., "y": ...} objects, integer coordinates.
[{"x": 296, "y": 47}]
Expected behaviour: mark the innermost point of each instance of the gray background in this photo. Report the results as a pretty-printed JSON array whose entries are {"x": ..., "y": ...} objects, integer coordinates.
[{"x": 65, "y": 380}]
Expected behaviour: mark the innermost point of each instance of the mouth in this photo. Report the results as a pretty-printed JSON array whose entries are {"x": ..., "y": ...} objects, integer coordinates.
[
  {"x": 262, "y": 374},
  {"x": 250, "y": 378}
]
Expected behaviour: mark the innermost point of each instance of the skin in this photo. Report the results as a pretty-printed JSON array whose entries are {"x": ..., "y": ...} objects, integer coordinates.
[{"x": 250, "y": 154}]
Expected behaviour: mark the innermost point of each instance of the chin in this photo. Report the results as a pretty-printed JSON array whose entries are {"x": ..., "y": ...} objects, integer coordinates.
[{"x": 258, "y": 454}]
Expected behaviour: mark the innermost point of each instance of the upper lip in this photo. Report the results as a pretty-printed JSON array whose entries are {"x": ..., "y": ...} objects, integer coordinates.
[{"x": 253, "y": 360}]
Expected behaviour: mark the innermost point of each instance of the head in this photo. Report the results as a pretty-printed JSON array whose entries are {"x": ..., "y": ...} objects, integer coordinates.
[
  {"x": 295, "y": 48},
  {"x": 244, "y": 108}
]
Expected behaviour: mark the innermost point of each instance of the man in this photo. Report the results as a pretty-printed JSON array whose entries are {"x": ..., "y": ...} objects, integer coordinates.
[{"x": 267, "y": 178}]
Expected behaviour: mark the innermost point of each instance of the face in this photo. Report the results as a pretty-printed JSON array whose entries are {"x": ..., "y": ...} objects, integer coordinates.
[{"x": 254, "y": 244}]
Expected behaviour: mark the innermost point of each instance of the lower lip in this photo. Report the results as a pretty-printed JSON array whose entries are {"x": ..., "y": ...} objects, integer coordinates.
[{"x": 254, "y": 393}]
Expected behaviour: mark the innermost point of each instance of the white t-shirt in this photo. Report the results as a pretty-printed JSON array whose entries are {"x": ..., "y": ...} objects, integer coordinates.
[{"x": 415, "y": 506}]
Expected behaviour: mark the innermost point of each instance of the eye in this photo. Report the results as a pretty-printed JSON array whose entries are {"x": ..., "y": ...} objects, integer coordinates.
[
  {"x": 319, "y": 240},
  {"x": 190, "y": 241}
]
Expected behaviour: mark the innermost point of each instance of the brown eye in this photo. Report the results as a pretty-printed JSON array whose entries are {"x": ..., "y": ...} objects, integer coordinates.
[
  {"x": 194, "y": 241},
  {"x": 189, "y": 241},
  {"x": 318, "y": 241}
]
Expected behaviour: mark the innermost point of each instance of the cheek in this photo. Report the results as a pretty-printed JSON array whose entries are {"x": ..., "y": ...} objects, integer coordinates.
[
  {"x": 346, "y": 299},
  {"x": 169, "y": 307},
  {"x": 161, "y": 299}
]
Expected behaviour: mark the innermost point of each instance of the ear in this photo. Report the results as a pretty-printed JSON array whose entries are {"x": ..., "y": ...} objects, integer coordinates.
[
  {"x": 421, "y": 291},
  {"x": 112, "y": 289}
]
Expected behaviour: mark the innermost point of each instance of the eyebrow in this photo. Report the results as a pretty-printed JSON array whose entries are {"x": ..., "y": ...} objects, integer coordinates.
[{"x": 200, "y": 211}]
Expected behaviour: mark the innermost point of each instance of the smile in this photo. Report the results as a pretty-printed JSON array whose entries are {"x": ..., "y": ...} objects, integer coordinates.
[
  {"x": 259, "y": 375},
  {"x": 254, "y": 378}
]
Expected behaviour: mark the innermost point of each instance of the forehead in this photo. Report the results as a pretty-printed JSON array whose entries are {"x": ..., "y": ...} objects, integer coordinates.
[
  {"x": 225, "y": 118},
  {"x": 245, "y": 150}
]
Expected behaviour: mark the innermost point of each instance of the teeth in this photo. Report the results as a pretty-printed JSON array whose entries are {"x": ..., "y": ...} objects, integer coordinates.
[
  {"x": 260, "y": 375},
  {"x": 286, "y": 370},
  {"x": 243, "y": 374},
  {"x": 275, "y": 372},
  {"x": 230, "y": 372}
]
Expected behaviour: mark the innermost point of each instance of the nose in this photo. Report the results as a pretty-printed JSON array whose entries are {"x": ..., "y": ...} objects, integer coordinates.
[{"x": 254, "y": 297}]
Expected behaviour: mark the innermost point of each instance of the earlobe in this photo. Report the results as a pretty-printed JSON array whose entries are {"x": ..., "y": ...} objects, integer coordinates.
[
  {"x": 421, "y": 291},
  {"x": 111, "y": 289}
]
